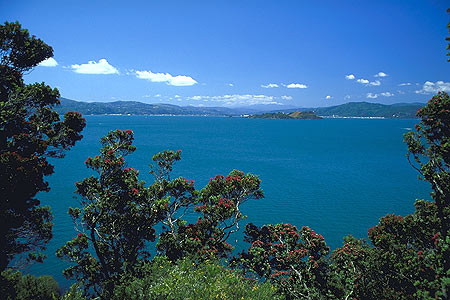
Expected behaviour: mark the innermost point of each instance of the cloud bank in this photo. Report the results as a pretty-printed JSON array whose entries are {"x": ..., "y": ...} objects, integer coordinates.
[
  {"x": 434, "y": 87},
  {"x": 238, "y": 99},
  {"x": 179, "y": 80},
  {"x": 350, "y": 77}
]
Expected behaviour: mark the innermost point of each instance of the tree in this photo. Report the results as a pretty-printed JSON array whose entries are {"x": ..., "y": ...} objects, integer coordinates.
[
  {"x": 448, "y": 38},
  {"x": 30, "y": 132},
  {"x": 429, "y": 148},
  {"x": 116, "y": 224},
  {"x": 219, "y": 204},
  {"x": 117, "y": 218}
]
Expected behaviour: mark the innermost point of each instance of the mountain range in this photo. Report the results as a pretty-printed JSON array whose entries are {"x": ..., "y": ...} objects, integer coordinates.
[{"x": 351, "y": 109}]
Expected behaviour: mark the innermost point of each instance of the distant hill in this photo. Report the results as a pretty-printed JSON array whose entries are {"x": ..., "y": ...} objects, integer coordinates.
[
  {"x": 366, "y": 109},
  {"x": 138, "y": 108},
  {"x": 351, "y": 109},
  {"x": 293, "y": 115}
]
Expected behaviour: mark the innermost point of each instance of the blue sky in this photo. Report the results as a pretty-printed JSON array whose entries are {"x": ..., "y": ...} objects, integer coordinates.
[{"x": 238, "y": 53}]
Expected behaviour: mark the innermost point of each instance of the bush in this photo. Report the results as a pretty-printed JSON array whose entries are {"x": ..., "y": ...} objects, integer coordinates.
[
  {"x": 188, "y": 280},
  {"x": 14, "y": 285}
]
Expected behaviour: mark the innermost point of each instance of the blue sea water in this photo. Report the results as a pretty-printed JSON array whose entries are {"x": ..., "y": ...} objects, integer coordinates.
[{"x": 338, "y": 176}]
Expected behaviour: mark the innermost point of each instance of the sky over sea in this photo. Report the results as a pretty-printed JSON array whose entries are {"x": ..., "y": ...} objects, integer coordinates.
[{"x": 240, "y": 53}]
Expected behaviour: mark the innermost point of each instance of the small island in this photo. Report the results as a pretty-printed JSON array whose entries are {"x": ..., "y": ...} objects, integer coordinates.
[{"x": 294, "y": 115}]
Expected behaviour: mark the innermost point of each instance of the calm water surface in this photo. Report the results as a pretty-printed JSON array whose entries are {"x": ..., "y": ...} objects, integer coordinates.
[{"x": 338, "y": 176}]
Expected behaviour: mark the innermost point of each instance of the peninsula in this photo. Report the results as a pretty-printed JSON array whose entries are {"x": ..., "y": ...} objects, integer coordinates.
[{"x": 280, "y": 115}]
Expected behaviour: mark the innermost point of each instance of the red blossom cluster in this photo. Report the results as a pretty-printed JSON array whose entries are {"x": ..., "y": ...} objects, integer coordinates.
[
  {"x": 129, "y": 169},
  {"x": 435, "y": 238}
]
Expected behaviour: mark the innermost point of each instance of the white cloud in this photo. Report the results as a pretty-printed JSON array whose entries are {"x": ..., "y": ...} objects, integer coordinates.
[
  {"x": 286, "y": 97},
  {"x": 328, "y": 97},
  {"x": 179, "y": 80},
  {"x": 363, "y": 81},
  {"x": 237, "y": 99},
  {"x": 367, "y": 82},
  {"x": 401, "y": 92},
  {"x": 230, "y": 84},
  {"x": 347, "y": 97},
  {"x": 384, "y": 94},
  {"x": 381, "y": 74},
  {"x": 296, "y": 86},
  {"x": 92, "y": 67},
  {"x": 49, "y": 62},
  {"x": 350, "y": 76},
  {"x": 270, "y": 85},
  {"x": 177, "y": 96},
  {"x": 434, "y": 87},
  {"x": 196, "y": 98},
  {"x": 158, "y": 95},
  {"x": 405, "y": 84}
]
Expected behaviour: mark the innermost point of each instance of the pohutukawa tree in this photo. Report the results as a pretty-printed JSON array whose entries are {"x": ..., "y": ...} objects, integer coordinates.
[
  {"x": 295, "y": 260},
  {"x": 219, "y": 205},
  {"x": 30, "y": 132},
  {"x": 116, "y": 223}
]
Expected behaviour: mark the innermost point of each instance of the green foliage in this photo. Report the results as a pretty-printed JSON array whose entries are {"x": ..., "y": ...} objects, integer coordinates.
[
  {"x": 405, "y": 262},
  {"x": 186, "y": 279},
  {"x": 30, "y": 132},
  {"x": 119, "y": 212},
  {"x": 74, "y": 293},
  {"x": 14, "y": 286}
]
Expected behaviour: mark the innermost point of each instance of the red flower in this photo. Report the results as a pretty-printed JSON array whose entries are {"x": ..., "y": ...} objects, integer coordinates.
[
  {"x": 79, "y": 234},
  {"x": 178, "y": 151}
]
